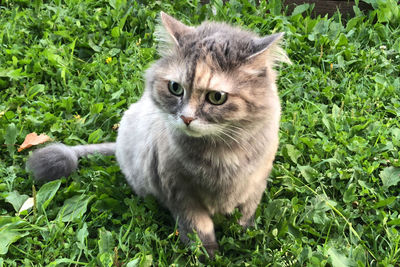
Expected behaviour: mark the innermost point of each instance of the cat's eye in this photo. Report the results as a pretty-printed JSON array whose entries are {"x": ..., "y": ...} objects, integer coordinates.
[
  {"x": 216, "y": 98},
  {"x": 175, "y": 88}
]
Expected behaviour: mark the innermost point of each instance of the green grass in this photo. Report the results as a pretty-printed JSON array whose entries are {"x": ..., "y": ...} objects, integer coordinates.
[{"x": 333, "y": 197}]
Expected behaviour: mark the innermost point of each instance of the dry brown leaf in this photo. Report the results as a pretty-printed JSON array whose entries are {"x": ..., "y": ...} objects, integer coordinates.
[{"x": 33, "y": 139}]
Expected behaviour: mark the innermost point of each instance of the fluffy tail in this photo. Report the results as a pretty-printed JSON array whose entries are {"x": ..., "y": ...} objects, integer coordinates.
[{"x": 57, "y": 160}]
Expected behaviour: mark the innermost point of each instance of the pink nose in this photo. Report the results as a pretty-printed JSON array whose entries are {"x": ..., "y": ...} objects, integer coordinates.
[{"x": 187, "y": 120}]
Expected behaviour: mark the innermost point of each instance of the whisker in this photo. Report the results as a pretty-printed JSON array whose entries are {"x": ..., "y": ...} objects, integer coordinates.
[{"x": 240, "y": 138}]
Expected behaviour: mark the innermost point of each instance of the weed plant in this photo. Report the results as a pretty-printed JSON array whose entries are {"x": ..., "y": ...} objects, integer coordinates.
[{"x": 70, "y": 68}]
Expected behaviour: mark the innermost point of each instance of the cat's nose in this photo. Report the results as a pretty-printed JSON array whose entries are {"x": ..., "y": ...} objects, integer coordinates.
[{"x": 187, "y": 120}]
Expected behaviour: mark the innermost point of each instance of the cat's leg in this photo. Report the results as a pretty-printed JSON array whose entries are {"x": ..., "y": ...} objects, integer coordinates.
[
  {"x": 255, "y": 190},
  {"x": 248, "y": 209},
  {"x": 198, "y": 219}
]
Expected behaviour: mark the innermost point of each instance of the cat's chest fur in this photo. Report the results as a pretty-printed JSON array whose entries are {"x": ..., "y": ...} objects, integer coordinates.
[
  {"x": 222, "y": 177},
  {"x": 174, "y": 168},
  {"x": 218, "y": 179}
]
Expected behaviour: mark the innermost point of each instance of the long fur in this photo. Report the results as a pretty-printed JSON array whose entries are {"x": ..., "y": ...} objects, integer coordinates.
[
  {"x": 58, "y": 160},
  {"x": 220, "y": 161}
]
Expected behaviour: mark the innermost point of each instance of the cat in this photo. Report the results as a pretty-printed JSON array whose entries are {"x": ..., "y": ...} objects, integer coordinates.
[{"x": 204, "y": 134}]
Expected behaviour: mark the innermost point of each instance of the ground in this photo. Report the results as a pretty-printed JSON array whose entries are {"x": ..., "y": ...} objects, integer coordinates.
[{"x": 70, "y": 68}]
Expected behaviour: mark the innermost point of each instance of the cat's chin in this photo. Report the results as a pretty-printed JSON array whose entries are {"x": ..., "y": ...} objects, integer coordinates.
[{"x": 190, "y": 132}]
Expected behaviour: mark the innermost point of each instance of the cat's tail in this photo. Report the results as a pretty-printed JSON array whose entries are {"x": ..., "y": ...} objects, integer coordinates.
[{"x": 58, "y": 160}]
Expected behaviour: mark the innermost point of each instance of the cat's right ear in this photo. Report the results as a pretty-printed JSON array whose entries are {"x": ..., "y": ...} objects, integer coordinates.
[
  {"x": 175, "y": 28},
  {"x": 267, "y": 50}
]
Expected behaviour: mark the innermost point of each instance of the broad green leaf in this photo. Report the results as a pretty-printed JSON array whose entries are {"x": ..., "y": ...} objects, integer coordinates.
[
  {"x": 396, "y": 136},
  {"x": 328, "y": 124},
  {"x": 55, "y": 59},
  {"x": 74, "y": 208},
  {"x": 10, "y": 138},
  {"x": 106, "y": 241},
  {"x": 115, "y": 32},
  {"x": 96, "y": 108},
  {"x": 113, "y": 52},
  {"x": 394, "y": 222},
  {"x": 9, "y": 177},
  {"x": 106, "y": 259},
  {"x": 385, "y": 202},
  {"x": 81, "y": 235},
  {"x": 104, "y": 202},
  {"x": 106, "y": 247},
  {"x": 341, "y": 41},
  {"x": 350, "y": 194},
  {"x": 292, "y": 152},
  {"x": 385, "y": 14},
  {"x": 7, "y": 237},
  {"x": 10, "y": 232},
  {"x": 94, "y": 46},
  {"x": 146, "y": 261},
  {"x": 300, "y": 9},
  {"x": 321, "y": 27},
  {"x": 305, "y": 254},
  {"x": 9, "y": 115},
  {"x": 46, "y": 194},
  {"x": 319, "y": 205},
  {"x": 380, "y": 79},
  {"x": 390, "y": 176},
  {"x": 113, "y": 3},
  {"x": 117, "y": 94},
  {"x": 338, "y": 259},
  {"x": 358, "y": 254},
  {"x": 275, "y": 6},
  {"x": 59, "y": 262},
  {"x": 336, "y": 112},
  {"x": 341, "y": 62},
  {"x": 12, "y": 74},
  {"x": 309, "y": 173},
  {"x": 16, "y": 200},
  {"x": 352, "y": 23},
  {"x": 373, "y": 3},
  {"x": 4, "y": 220},
  {"x": 34, "y": 90},
  {"x": 133, "y": 263},
  {"x": 95, "y": 136}
]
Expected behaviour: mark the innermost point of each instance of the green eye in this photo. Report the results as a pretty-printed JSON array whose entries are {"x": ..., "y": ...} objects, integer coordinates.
[
  {"x": 175, "y": 88},
  {"x": 216, "y": 98}
]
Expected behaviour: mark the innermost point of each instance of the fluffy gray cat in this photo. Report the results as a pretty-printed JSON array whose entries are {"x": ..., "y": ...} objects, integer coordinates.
[{"x": 203, "y": 136}]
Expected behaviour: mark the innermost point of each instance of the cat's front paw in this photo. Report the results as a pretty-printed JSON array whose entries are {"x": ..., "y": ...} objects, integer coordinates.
[
  {"x": 211, "y": 248},
  {"x": 246, "y": 222}
]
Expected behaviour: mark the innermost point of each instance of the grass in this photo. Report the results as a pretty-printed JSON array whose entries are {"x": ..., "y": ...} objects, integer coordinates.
[{"x": 70, "y": 68}]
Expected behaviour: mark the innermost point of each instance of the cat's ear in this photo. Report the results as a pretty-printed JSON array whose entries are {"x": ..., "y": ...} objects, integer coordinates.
[
  {"x": 268, "y": 50},
  {"x": 175, "y": 28}
]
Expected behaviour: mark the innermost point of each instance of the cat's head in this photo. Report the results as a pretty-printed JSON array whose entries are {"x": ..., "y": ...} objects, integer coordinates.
[{"x": 214, "y": 77}]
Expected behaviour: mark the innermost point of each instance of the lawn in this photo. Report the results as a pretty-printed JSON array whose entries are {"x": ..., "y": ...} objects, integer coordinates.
[{"x": 70, "y": 68}]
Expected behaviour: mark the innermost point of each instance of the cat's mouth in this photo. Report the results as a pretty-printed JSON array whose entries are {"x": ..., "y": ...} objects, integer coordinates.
[
  {"x": 191, "y": 132},
  {"x": 195, "y": 129}
]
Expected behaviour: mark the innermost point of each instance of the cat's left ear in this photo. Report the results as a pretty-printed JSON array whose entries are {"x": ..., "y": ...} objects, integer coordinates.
[
  {"x": 267, "y": 49},
  {"x": 175, "y": 28}
]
